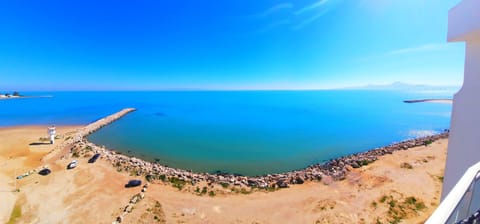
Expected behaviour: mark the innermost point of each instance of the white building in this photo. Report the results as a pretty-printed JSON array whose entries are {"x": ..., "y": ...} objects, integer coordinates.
[
  {"x": 461, "y": 192},
  {"x": 51, "y": 134}
]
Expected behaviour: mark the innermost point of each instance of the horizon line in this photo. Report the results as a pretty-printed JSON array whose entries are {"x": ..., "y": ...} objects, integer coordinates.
[{"x": 362, "y": 87}]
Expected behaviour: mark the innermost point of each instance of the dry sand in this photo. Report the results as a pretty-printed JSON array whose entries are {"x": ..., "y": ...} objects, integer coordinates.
[{"x": 94, "y": 193}]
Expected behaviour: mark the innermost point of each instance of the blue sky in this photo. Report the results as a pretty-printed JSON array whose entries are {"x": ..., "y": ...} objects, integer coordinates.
[{"x": 230, "y": 44}]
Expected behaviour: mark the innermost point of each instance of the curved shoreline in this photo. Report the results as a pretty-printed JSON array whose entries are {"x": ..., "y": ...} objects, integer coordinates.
[{"x": 334, "y": 169}]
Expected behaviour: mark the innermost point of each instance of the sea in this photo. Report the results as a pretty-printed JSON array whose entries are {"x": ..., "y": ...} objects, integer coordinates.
[{"x": 241, "y": 132}]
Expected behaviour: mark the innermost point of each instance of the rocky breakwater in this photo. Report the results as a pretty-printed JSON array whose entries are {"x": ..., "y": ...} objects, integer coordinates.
[
  {"x": 332, "y": 170},
  {"x": 78, "y": 138},
  {"x": 337, "y": 168},
  {"x": 92, "y": 127}
]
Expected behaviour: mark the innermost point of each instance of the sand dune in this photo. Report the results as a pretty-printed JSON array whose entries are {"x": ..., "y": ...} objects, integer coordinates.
[{"x": 94, "y": 193}]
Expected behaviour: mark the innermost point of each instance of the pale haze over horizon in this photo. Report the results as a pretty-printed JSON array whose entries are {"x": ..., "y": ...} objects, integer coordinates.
[{"x": 155, "y": 45}]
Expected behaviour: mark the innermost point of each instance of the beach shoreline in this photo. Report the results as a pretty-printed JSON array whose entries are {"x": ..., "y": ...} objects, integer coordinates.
[
  {"x": 299, "y": 203},
  {"x": 335, "y": 169}
]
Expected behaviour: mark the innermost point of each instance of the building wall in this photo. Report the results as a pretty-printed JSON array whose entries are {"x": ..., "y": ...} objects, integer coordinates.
[{"x": 464, "y": 141}]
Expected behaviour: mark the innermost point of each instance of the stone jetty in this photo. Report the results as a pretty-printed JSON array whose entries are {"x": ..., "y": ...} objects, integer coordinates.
[
  {"x": 335, "y": 169},
  {"x": 87, "y": 130},
  {"x": 80, "y": 135}
]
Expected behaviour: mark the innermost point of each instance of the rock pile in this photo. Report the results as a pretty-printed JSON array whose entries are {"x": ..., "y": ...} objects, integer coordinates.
[{"x": 129, "y": 207}]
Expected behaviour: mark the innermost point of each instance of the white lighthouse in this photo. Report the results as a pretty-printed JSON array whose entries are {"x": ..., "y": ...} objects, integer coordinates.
[{"x": 51, "y": 134}]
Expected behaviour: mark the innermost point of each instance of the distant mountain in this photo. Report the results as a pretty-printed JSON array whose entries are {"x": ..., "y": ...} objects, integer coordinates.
[{"x": 406, "y": 86}]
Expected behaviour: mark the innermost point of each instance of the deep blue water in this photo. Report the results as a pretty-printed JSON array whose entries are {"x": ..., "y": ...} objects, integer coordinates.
[{"x": 246, "y": 132}]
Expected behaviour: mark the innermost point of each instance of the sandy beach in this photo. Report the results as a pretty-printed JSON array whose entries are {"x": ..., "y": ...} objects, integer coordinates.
[{"x": 410, "y": 180}]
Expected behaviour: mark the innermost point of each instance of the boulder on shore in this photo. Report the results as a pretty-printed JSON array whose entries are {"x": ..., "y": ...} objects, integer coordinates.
[
  {"x": 299, "y": 180},
  {"x": 282, "y": 184}
]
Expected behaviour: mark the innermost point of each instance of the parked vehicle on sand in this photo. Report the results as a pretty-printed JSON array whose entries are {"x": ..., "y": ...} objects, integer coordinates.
[
  {"x": 133, "y": 183},
  {"x": 94, "y": 158},
  {"x": 72, "y": 165},
  {"x": 44, "y": 172}
]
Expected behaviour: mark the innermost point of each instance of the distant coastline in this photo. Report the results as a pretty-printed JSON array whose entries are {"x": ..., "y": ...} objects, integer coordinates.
[
  {"x": 3, "y": 97},
  {"x": 447, "y": 101},
  {"x": 406, "y": 87}
]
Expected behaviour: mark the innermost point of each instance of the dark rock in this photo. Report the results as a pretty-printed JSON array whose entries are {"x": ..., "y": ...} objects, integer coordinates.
[
  {"x": 251, "y": 182},
  {"x": 282, "y": 184},
  {"x": 355, "y": 165},
  {"x": 299, "y": 180}
]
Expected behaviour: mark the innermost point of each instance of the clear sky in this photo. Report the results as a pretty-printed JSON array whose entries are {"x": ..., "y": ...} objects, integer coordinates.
[{"x": 226, "y": 44}]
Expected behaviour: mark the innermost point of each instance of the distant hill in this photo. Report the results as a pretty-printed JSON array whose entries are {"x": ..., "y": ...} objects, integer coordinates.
[{"x": 406, "y": 86}]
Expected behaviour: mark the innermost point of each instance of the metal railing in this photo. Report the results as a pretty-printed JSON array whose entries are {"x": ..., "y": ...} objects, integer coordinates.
[{"x": 462, "y": 203}]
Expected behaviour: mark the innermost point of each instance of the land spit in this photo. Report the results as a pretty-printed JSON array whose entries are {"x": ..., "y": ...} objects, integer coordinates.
[
  {"x": 81, "y": 134},
  {"x": 332, "y": 170},
  {"x": 429, "y": 100}
]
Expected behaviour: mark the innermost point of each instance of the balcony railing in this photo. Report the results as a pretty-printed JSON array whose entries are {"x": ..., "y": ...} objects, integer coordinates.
[{"x": 462, "y": 204}]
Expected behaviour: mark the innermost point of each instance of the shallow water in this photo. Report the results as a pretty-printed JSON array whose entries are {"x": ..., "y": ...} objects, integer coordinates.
[{"x": 246, "y": 132}]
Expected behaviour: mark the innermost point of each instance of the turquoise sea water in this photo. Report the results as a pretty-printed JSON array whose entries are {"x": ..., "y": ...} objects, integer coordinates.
[{"x": 246, "y": 132}]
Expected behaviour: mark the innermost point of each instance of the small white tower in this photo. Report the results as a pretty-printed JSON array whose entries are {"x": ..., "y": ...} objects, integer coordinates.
[{"x": 51, "y": 134}]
